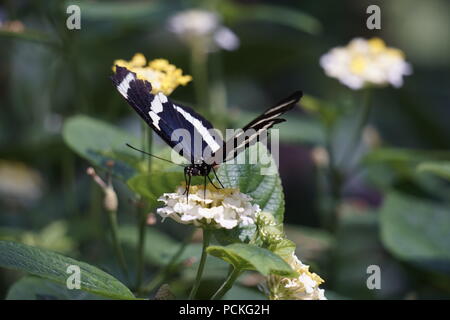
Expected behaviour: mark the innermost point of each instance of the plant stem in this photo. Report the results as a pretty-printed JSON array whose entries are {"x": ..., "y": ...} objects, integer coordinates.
[
  {"x": 199, "y": 69},
  {"x": 356, "y": 138},
  {"x": 164, "y": 272},
  {"x": 112, "y": 216},
  {"x": 228, "y": 283},
  {"x": 335, "y": 184},
  {"x": 198, "y": 278},
  {"x": 146, "y": 139}
]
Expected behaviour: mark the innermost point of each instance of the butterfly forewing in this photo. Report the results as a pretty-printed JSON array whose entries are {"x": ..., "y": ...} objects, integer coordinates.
[{"x": 179, "y": 126}]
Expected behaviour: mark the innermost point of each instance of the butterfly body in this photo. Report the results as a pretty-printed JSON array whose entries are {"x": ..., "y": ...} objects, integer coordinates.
[{"x": 197, "y": 141}]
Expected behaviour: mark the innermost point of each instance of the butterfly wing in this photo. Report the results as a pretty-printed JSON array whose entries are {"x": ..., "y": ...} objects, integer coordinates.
[
  {"x": 252, "y": 131},
  {"x": 165, "y": 116}
]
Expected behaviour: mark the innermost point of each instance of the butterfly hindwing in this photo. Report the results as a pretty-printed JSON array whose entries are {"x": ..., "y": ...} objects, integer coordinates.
[{"x": 253, "y": 130}]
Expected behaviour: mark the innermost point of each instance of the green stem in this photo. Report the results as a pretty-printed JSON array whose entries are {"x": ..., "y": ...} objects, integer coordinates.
[
  {"x": 167, "y": 270},
  {"x": 198, "y": 278},
  {"x": 112, "y": 215},
  {"x": 199, "y": 69},
  {"x": 146, "y": 139},
  {"x": 335, "y": 184},
  {"x": 356, "y": 138},
  {"x": 228, "y": 283}
]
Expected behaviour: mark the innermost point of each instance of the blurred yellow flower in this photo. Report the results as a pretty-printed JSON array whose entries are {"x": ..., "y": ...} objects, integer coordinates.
[
  {"x": 163, "y": 76},
  {"x": 366, "y": 62}
]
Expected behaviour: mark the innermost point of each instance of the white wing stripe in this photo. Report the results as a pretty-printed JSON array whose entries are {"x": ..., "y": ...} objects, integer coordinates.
[
  {"x": 279, "y": 107},
  {"x": 125, "y": 85},
  {"x": 198, "y": 125},
  {"x": 155, "y": 119}
]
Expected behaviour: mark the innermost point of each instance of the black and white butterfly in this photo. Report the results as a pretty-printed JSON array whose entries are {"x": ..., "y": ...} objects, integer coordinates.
[{"x": 166, "y": 117}]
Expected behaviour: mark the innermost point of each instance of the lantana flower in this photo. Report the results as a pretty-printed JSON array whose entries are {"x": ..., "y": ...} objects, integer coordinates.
[
  {"x": 303, "y": 287},
  {"x": 218, "y": 208},
  {"x": 163, "y": 76},
  {"x": 202, "y": 26},
  {"x": 366, "y": 62}
]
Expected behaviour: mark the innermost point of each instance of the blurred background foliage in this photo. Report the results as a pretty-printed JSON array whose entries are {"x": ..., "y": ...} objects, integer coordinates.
[{"x": 57, "y": 104}]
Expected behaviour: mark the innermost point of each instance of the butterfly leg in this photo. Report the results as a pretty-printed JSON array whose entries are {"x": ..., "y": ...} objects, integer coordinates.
[
  {"x": 212, "y": 183},
  {"x": 204, "y": 189},
  {"x": 186, "y": 183},
  {"x": 217, "y": 178},
  {"x": 187, "y": 187}
]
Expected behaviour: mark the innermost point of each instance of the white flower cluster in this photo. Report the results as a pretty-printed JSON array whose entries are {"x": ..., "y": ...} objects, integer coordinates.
[
  {"x": 195, "y": 24},
  {"x": 304, "y": 287},
  {"x": 222, "y": 208},
  {"x": 366, "y": 62}
]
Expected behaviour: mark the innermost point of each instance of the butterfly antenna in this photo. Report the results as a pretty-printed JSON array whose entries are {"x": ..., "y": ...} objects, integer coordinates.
[{"x": 152, "y": 155}]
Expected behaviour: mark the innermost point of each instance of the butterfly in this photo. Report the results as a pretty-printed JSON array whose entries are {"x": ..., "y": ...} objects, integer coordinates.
[{"x": 166, "y": 118}]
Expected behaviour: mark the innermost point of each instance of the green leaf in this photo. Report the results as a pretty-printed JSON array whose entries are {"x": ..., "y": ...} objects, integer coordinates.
[
  {"x": 29, "y": 35},
  {"x": 417, "y": 231},
  {"x": 100, "y": 142},
  {"x": 441, "y": 169},
  {"x": 160, "y": 248},
  {"x": 53, "y": 266},
  {"x": 265, "y": 190},
  {"x": 34, "y": 288},
  {"x": 284, "y": 248},
  {"x": 264, "y": 187},
  {"x": 399, "y": 156},
  {"x": 112, "y": 10},
  {"x": 238, "y": 292},
  {"x": 249, "y": 257},
  {"x": 275, "y": 14},
  {"x": 154, "y": 185}
]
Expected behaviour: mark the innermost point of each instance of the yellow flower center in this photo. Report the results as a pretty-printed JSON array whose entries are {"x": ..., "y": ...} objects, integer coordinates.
[
  {"x": 376, "y": 45},
  {"x": 358, "y": 64}
]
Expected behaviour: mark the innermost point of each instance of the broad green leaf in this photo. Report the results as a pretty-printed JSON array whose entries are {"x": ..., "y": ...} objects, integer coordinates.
[
  {"x": 154, "y": 185},
  {"x": 275, "y": 14},
  {"x": 238, "y": 292},
  {"x": 284, "y": 248},
  {"x": 441, "y": 169},
  {"x": 399, "y": 156},
  {"x": 396, "y": 167},
  {"x": 417, "y": 231},
  {"x": 253, "y": 180},
  {"x": 249, "y": 257},
  {"x": 99, "y": 142},
  {"x": 160, "y": 248},
  {"x": 34, "y": 288},
  {"x": 29, "y": 35},
  {"x": 53, "y": 266},
  {"x": 113, "y": 10}
]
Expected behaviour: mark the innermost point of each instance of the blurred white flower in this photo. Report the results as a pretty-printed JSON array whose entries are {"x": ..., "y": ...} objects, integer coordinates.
[
  {"x": 366, "y": 62},
  {"x": 205, "y": 27},
  {"x": 226, "y": 39},
  {"x": 304, "y": 287},
  {"x": 222, "y": 208}
]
